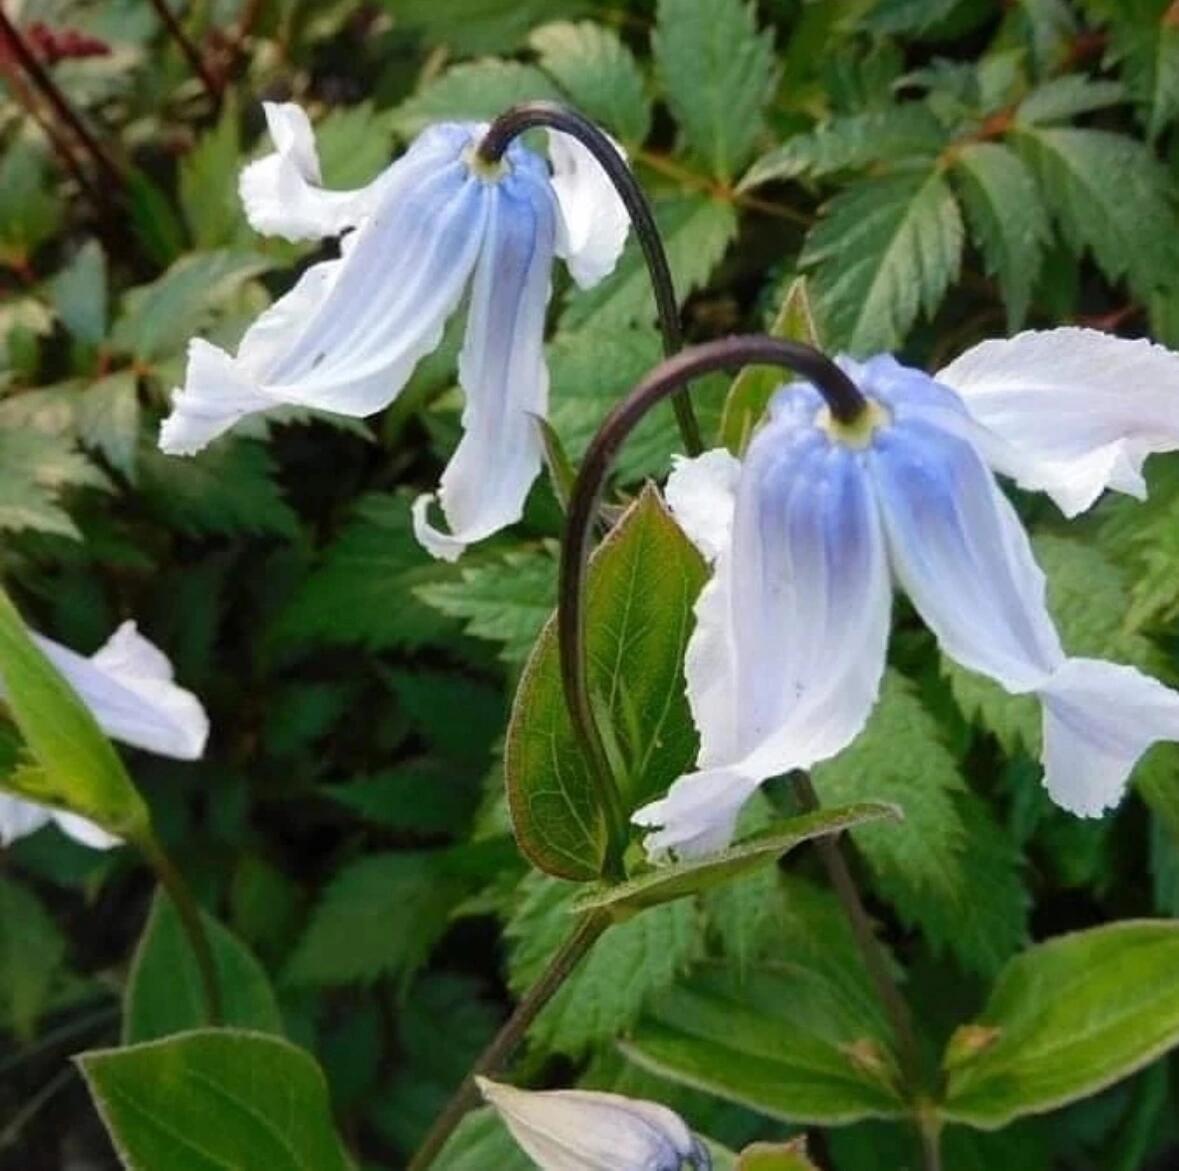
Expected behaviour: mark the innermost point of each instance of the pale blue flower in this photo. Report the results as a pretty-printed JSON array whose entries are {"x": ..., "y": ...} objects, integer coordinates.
[
  {"x": 584, "y": 1130},
  {"x": 811, "y": 530},
  {"x": 434, "y": 225}
]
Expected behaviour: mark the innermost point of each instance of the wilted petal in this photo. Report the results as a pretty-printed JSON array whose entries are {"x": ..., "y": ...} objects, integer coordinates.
[
  {"x": 594, "y": 221},
  {"x": 786, "y": 658},
  {"x": 501, "y": 368},
  {"x": 128, "y": 686},
  {"x": 702, "y": 493},
  {"x": 349, "y": 335},
  {"x": 1080, "y": 409},
  {"x": 581, "y": 1130}
]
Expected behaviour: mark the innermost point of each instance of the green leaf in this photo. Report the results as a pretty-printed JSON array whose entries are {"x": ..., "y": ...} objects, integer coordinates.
[
  {"x": 1127, "y": 225},
  {"x": 783, "y": 1041},
  {"x": 364, "y": 589},
  {"x": 208, "y": 183},
  {"x": 752, "y": 389},
  {"x": 608, "y": 990},
  {"x": 676, "y": 881},
  {"x": 896, "y": 134},
  {"x": 215, "y": 1098},
  {"x": 379, "y": 915},
  {"x": 228, "y": 488},
  {"x": 480, "y": 1141},
  {"x": 642, "y": 584},
  {"x": 76, "y": 766},
  {"x": 156, "y": 320},
  {"x": 1145, "y": 43},
  {"x": 505, "y": 600},
  {"x": 426, "y": 797},
  {"x": 885, "y": 250},
  {"x": 80, "y": 296},
  {"x": 108, "y": 419},
  {"x": 354, "y": 144},
  {"x": 947, "y": 866},
  {"x": 36, "y": 469},
  {"x": 1067, "y": 97},
  {"x": 469, "y": 27},
  {"x": 164, "y": 994},
  {"x": 1007, "y": 220},
  {"x": 32, "y": 951},
  {"x": 31, "y": 210},
  {"x": 600, "y": 75},
  {"x": 1066, "y": 1019},
  {"x": 791, "y": 1156},
  {"x": 696, "y": 233},
  {"x": 717, "y": 72},
  {"x": 475, "y": 91}
]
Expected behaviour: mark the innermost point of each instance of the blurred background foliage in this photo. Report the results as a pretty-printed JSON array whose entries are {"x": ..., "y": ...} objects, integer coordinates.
[{"x": 941, "y": 170}]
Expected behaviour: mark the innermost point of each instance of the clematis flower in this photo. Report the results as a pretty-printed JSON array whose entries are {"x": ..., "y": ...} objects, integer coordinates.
[
  {"x": 582, "y": 1130},
  {"x": 808, "y": 534},
  {"x": 128, "y": 686},
  {"x": 437, "y": 223}
]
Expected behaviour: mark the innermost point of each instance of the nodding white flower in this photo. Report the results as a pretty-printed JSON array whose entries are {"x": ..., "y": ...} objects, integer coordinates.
[
  {"x": 582, "y": 1130},
  {"x": 128, "y": 686},
  {"x": 809, "y": 532},
  {"x": 347, "y": 337}
]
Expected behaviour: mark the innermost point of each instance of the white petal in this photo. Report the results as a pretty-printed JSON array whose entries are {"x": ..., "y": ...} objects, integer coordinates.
[
  {"x": 281, "y": 193},
  {"x": 581, "y": 1130},
  {"x": 962, "y": 555},
  {"x": 1099, "y": 718},
  {"x": 129, "y": 688},
  {"x": 503, "y": 372},
  {"x": 594, "y": 222},
  {"x": 1083, "y": 409},
  {"x": 84, "y": 831},
  {"x": 348, "y": 336},
  {"x": 786, "y": 658},
  {"x": 702, "y": 494},
  {"x": 19, "y": 818}
]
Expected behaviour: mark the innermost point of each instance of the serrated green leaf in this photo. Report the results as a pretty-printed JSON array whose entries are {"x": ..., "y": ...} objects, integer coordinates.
[
  {"x": 600, "y": 75},
  {"x": 1128, "y": 225},
  {"x": 1007, "y": 220},
  {"x": 36, "y": 469},
  {"x": 32, "y": 950},
  {"x": 1145, "y": 43},
  {"x": 717, "y": 72},
  {"x": 215, "y": 1098},
  {"x": 108, "y": 419},
  {"x": 426, "y": 797},
  {"x": 80, "y": 294},
  {"x": 885, "y": 250},
  {"x": 898, "y": 134},
  {"x": 782, "y": 1041},
  {"x": 1067, "y": 97},
  {"x": 643, "y": 580},
  {"x": 475, "y": 90},
  {"x": 609, "y": 988},
  {"x": 947, "y": 866},
  {"x": 469, "y": 27},
  {"x": 504, "y": 600},
  {"x": 164, "y": 994},
  {"x": 354, "y": 144},
  {"x": 1067, "y": 1018},
  {"x": 228, "y": 488},
  {"x": 208, "y": 183},
  {"x": 696, "y": 233},
  {"x": 681, "y": 879},
  {"x": 364, "y": 589}
]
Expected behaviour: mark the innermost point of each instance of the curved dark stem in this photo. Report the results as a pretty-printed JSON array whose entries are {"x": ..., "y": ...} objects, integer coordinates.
[
  {"x": 670, "y": 377},
  {"x": 528, "y": 115},
  {"x": 191, "y": 53}
]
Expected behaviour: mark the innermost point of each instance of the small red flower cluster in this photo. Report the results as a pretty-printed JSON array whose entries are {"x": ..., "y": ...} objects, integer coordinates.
[{"x": 53, "y": 45}]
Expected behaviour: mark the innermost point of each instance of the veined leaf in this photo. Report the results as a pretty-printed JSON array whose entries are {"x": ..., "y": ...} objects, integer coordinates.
[
  {"x": 885, "y": 250},
  {"x": 215, "y": 1098},
  {"x": 36, "y": 469},
  {"x": 642, "y": 583},
  {"x": 1145, "y": 42},
  {"x": 1067, "y": 97},
  {"x": 1065, "y": 1019},
  {"x": 717, "y": 72},
  {"x": 600, "y": 75},
  {"x": 1007, "y": 220}
]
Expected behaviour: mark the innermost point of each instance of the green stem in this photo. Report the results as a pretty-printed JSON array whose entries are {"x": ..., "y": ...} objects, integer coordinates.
[
  {"x": 930, "y": 1128},
  {"x": 190, "y": 920},
  {"x": 585, "y": 934}
]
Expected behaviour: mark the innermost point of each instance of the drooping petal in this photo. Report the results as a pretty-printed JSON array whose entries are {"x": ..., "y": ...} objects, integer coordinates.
[
  {"x": 786, "y": 658},
  {"x": 501, "y": 369},
  {"x": 348, "y": 336},
  {"x": 702, "y": 493},
  {"x": 1081, "y": 409},
  {"x": 1099, "y": 718},
  {"x": 83, "y": 831},
  {"x": 19, "y": 818},
  {"x": 128, "y": 685},
  {"x": 594, "y": 222},
  {"x": 582, "y": 1130}
]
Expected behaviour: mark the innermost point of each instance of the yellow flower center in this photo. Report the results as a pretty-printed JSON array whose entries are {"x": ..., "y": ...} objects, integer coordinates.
[{"x": 857, "y": 433}]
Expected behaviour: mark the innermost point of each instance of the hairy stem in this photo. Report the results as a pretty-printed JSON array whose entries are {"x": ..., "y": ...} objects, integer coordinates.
[
  {"x": 190, "y": 921},
  {"x": 524, "y": 117},
  {"x": 502, "y": 1045},
  {"x": 192, "y": 54}
]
